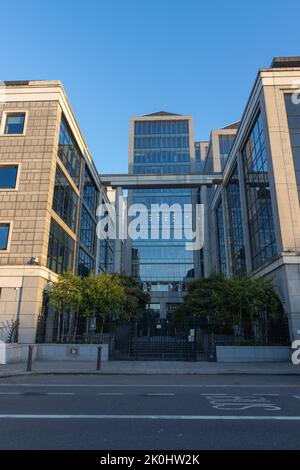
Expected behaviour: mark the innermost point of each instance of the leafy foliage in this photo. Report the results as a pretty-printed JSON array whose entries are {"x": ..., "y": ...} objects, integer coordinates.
[
  {"x": 113, "y": 296},
  {"x": 237, "y": 302}
]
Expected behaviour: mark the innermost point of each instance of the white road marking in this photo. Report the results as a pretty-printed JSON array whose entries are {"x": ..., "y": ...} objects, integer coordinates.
[
  {"x": 148, "y": 385},
  {"x": 160, "y": 394},
  {"x": 10, "y": 393},
  {"x": 295, "y": 396},
  {"x": 154, "y": 417},
  {"x": 236, "y": 402},
  {"x": 266, "y": 394}
]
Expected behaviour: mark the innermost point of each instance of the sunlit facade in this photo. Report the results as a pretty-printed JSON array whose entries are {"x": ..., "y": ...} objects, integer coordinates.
[{"x": 162, "y": 143}]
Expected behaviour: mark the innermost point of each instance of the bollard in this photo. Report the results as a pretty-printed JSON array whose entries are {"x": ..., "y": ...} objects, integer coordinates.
[
  {"x": 29, "y": 359},
  {"x": 99, "y": 351}
]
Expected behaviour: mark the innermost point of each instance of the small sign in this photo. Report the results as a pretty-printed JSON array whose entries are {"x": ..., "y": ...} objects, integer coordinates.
[
  {"x": 73, "y": 351},
  {"x": 191, "y": 339},
  {"x": 158, "y": 325},
  {"x": 192, "y": 332}
]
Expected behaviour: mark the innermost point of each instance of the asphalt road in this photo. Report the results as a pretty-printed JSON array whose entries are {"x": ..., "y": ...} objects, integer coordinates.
[{"x": 150, "y": 412}]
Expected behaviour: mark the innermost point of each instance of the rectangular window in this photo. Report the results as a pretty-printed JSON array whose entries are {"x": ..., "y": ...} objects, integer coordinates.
[
  {"x": 225, "y": 142},
  {"x": 60, "y": 249},
  {"x": 4, "y": 233},
  {"x": 69, "y": 152},
  {"x": 8, "y": 176},
  {"x": 221, "y": 239},
  {"x": 90, "y": 191},
  {"x": 85, "y": 263},
  {"x": 259, "y": 207},
  {"x": 87, "y": 230},
  {"x": 235, "y": 225},
  {"x": 65, "y": 200},
  {"x": 14, "y": 123}
]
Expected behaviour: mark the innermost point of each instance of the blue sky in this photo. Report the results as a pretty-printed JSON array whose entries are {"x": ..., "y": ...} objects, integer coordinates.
[{"x": 118, "y": 58}]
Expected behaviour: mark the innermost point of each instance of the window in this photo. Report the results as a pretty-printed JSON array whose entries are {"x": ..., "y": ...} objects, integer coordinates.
[
  {"x": 87, "y": 230},
  {"x": 90, "y": 192},
  {"x": 106, "y": 256},
  {"x": 65, "y": 200},
  {"x": 259, "y": 207},
  {"x": 85, "y": 263},
  {"x": 69, "y": 152},
  {"x": 14, "y": 123},
  {"x": 4, "y": 233},
  {"x": 60, "y": 249},
  {"x": 235, "y": 225},
  {"x": 8, "y": 176},
  {"x": 225, "y": 142},
  {"x": 221, "y": 239}
]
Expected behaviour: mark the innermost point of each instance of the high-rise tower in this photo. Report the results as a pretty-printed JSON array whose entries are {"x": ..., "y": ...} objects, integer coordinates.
[{"x": 162, "y": 143}]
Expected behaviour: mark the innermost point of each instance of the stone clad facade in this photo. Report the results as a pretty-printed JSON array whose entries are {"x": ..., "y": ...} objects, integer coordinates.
[{"x": 28, "y": 207}]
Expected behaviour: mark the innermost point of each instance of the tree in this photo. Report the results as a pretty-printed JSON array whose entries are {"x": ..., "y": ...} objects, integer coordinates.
[
  {"x": 231, "y": 302},
  {"x": 136, "y": 299},
  {"x": 66, "y": 291},
  {"x": 104, "y": 296}
]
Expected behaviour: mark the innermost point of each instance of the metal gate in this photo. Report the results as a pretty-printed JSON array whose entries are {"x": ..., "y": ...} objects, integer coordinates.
[{"x": 162, "y": 340}]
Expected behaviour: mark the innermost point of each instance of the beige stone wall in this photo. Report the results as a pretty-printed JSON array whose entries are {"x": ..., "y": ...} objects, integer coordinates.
[{"x": 29, "y": 206}]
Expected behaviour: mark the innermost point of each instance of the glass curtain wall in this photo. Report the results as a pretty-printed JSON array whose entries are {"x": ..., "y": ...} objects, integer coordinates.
[
  {"x": 259, "y": 207},
  {"x": 237, "y": 248},
  {"x": 162, "y": 146}
]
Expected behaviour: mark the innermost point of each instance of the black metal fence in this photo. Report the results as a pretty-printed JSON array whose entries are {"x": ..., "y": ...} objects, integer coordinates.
[
  {"x": 189, "y": 340},
  {"x": 68, "y": 328},
  {"x": 152, "y": 338}
]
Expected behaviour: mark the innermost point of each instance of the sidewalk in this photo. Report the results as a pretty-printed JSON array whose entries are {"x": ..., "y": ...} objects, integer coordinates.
[{"x": 149, "y": 367}]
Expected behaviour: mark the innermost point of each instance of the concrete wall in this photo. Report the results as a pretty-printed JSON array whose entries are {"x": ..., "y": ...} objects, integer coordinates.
[
  {"x": 64, "y": 352},
  {"x": 14, "y": 352},
  {"x": 253, "y": 353}
]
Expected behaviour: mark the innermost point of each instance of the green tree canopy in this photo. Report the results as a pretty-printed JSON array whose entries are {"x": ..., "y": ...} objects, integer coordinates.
[{"x": 233, "y": 301}]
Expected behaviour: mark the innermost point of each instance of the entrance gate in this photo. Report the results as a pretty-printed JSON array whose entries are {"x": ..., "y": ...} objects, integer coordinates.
[{"x": 162, "y": 340}]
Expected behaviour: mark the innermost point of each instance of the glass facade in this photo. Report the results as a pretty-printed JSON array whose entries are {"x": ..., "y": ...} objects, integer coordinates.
[
  {"x": 69, "y": 152},
  {"x": 106, "y": 256},
  {"x": 225, "y": 142},
  {"x": 161, "y": 146},
  {"x": 60, "y": 249},
  {"x": 65, "y": 200},
  {"x": 260, "y": 215},
  {"x": 14, "y": 123},
  {"x": 8, "y": 176},
  {"x": 237, "y": 248},
  {"x": 85, "y": 263},
  {"x": 221, "y": 239},
  {"x": 90, "y": 191},
  {"x": 4, "y": 232},
  {"x": 198, "y": 162},
  {"x": 87, "y": 230},
  {"x": 293, "y": 116}
]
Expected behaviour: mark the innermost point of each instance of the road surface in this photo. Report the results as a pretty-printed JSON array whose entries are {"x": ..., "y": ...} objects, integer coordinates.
[{"x": 150, "y": 412}]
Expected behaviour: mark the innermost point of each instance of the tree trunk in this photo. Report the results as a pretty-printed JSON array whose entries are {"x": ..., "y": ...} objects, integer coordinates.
[
  {"x": 75, "y": 325},
  {"x": 58, "y": 327}
]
